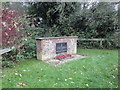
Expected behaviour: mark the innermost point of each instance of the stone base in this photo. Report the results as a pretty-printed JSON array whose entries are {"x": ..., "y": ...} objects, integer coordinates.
[{"x": 56, "y": 62}]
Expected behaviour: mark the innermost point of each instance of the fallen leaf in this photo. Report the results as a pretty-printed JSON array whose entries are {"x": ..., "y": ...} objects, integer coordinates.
[
  {"x": 113, "y": 76},
  {"x": 65, "y": 79},
  {"x": 24, "y": 85},
  {"x": 72, "y": 82},
  {"x": 87, "y": 85},
  {"x": 16, "y": 73},
  {"x": 74, "y": 73},
  {"x": 20, "y": 83},
  {"x": 20, "y": 75},
  {"x": 70, "y": 78},
  {"x": 24, "y": 70}
]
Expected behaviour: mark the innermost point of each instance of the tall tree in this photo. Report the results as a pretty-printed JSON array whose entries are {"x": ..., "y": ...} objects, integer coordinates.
[{"x": 89, "y": 20}]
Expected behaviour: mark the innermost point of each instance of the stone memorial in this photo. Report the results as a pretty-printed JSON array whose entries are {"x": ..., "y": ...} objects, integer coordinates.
[
  {"x": 57, "y": 50},
  {"x": 50, "y": 47}
]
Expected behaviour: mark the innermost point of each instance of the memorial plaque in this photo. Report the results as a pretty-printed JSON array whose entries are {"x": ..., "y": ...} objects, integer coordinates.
[{"x": 61, "y": 48}]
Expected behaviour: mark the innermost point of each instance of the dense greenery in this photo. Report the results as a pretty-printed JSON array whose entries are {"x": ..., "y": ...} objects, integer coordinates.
[
  {"x": 86, "y": 20},
  {"x": 98, "y": 70},
  {"x": 26, "y": 49}
]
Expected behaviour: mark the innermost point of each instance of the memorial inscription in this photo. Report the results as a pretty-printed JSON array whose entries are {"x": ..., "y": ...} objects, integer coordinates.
[{"x": 61, "y": 48}]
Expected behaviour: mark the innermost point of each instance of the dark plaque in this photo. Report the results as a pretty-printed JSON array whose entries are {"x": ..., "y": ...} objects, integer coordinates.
[{"x": 61, "y": 48}]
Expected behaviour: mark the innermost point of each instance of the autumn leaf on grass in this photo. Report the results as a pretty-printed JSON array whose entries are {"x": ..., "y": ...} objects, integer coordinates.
[
  {"x": 24, "y": 70},
  {"x": 22, "y": 84},
  {"x": 70, "y": 78},
  {"x": 20, "y": 75},
  {"x": 16, "y": 73},
  {"x": 87, "y": 85},
  {"x": 74, "y": 73},
  {"x": 65, "y": 79},
  {"x": 72, "y": 82}
]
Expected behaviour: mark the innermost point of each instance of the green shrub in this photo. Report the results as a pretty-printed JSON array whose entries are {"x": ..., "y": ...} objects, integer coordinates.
[
  {"x": 8, "y": 64},
  {"x": 107, "y": 44},
  {"x": 27, "y": 50}
]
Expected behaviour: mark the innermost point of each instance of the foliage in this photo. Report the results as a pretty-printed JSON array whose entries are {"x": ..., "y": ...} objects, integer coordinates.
[
  {"x": 8, "y": 64},
  {"x": 115, "y": 38},
  {"x": 11, "y": 32},
  {"x": 29, "y": 47},
  {"x": 98, "y": 70},
  {"x": 104, "y": 20},
  {"x": 111, "y": 43},
  {"x": 95, "y": 20},
  {"x": 85, "y": 20},
  {"x": 25, "y": 45},
  {"x": 12, "y": 29}
]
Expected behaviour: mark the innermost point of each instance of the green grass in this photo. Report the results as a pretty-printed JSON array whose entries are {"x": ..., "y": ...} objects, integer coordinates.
[{"x": 98, "y": 70}]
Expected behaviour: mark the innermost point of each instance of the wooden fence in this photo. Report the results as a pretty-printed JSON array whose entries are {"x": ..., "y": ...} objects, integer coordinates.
[{"x": 94, "y": 39}]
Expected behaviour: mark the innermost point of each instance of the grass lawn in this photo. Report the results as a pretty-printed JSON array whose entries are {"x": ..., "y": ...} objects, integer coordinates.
[{"x": 99, "y": 70}]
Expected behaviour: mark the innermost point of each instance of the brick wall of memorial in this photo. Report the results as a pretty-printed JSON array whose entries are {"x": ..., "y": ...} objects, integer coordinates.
[{"x": 50, "y": 47}]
